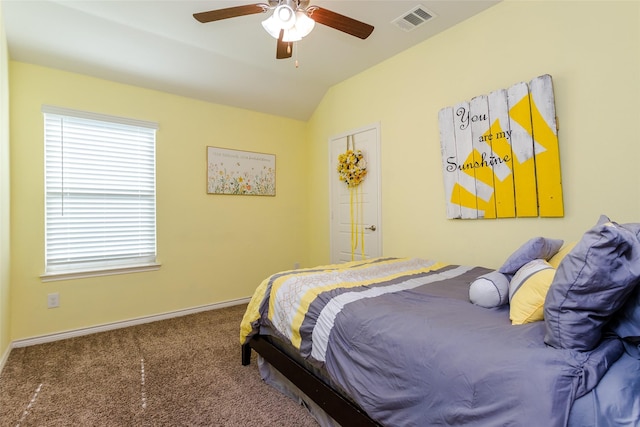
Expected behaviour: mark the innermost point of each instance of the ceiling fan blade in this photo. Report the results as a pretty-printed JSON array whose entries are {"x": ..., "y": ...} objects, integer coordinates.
[
  {"x": 284, "y": 49},
  {"x": 230, "y": 12},
  {"x": 340, "y": 22}
]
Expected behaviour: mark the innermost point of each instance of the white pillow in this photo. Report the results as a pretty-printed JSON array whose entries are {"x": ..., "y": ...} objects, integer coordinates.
[{"x": 490, "y": 290}]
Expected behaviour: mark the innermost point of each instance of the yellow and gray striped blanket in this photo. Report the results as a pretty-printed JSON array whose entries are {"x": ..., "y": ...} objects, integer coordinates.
[{"x": 291, "y": 293}]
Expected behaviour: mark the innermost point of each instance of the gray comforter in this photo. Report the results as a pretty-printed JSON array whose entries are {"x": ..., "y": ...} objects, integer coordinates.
[{"x": 412, "y": 350}]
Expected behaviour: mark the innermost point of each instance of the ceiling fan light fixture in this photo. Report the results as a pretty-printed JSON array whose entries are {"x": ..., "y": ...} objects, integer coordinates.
[
  {"x": 304, "y": 24},
  {"x": 272, "y": 26},
  {"x": 291, "y": 35},
  {"x": 298, "y": 25},
  {"x": 285, "y": 15}
]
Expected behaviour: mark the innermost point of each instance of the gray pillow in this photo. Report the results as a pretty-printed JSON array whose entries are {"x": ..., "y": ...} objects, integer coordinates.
[
  {"x": 490, "y": 290},
  {"x": 626, "y": 321},
  {"x": 536, "y": 248},
  {"x": 592, "y": 282}
]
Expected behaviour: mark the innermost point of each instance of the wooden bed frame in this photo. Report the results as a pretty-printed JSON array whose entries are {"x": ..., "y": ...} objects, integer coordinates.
[{"x": 343, "y": 411}]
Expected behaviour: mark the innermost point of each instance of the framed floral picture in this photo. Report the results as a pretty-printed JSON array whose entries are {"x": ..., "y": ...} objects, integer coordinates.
[{"x": 240, "y": 172}]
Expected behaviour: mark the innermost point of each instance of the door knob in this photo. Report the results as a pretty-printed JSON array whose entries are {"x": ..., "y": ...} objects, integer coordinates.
[{"x": 372, "y": 228}]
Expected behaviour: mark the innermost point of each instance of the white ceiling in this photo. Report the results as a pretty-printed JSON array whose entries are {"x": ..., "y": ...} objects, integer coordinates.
[{"x": 158, "y": 44}]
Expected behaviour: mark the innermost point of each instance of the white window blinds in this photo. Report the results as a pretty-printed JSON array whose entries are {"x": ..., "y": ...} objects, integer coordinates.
[{"x": 100, "y": 191}]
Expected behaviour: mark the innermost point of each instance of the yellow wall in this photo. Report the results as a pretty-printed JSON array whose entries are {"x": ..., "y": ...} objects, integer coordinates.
[
  {"x": 591, "y": 50},
  {"x": 212, "y": 248},
  {"x": 4, "y": 193}
]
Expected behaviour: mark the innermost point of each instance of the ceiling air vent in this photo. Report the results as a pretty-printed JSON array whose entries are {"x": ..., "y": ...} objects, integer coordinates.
[{"x": 414, "y": 18}]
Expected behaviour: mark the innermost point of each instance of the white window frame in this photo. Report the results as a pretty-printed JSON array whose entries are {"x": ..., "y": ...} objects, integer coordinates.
[{"x": 73, "y": 188}]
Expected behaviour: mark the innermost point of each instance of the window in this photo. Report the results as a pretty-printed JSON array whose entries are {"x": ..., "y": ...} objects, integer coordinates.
[{"x": 100, "y": 205}]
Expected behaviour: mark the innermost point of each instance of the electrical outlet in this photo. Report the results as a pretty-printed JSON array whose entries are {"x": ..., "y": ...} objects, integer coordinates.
[
  {"x": 296, "y": 265},
  {"x": 53, "y": 300}
]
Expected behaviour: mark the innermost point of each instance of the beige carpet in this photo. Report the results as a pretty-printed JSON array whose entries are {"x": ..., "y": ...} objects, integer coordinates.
[{"x": 179, "y": 372}]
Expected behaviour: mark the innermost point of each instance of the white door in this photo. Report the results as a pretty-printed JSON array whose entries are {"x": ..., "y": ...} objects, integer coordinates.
[{"x": 361, "y": 204}]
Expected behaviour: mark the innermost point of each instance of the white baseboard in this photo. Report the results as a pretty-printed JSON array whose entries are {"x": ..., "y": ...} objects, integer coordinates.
[
  {"x": 4, "y": 358},
  {"x": 117, "y": 325}
]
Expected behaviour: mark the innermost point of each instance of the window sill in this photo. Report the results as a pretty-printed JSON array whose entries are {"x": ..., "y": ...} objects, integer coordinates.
[{"x": 70, "y": 275}]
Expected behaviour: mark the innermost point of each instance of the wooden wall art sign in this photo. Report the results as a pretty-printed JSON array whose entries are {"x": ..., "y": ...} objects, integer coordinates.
[{"x": 500, "y": 154}]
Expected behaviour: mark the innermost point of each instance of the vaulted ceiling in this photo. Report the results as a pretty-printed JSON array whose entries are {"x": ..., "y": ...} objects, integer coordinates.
[{"x": 159, "y": 45}]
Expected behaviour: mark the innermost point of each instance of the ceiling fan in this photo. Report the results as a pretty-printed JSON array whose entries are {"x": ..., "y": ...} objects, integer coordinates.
[{"x": 290, "y": 21}]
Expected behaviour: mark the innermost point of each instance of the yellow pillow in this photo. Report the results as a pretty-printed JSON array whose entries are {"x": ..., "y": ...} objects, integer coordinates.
[
  {"x": 528, "y": 290},
  {"x": 555, "y": 260}
]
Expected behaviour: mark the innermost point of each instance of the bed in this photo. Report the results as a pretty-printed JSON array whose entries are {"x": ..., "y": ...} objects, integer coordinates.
[{"x": 550, "y": 338}]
